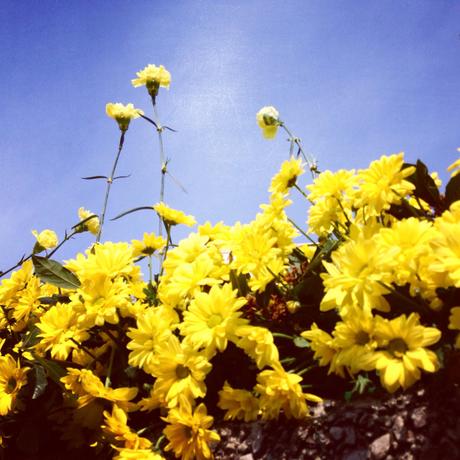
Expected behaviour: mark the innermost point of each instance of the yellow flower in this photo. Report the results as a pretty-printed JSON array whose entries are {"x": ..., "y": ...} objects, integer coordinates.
[
  {"x": 148, "y": 245},
  {"x": 88, "y": 387},
  {"x": 123, "y": 114},
  {"x": 354, "y": 338},
  {"x": 152, "y": 77},
  {"x": 117, "y": 429},
  {"x": 137, "y": 454},
  {"x": 188, "y": 432},
  {"x": 172, "y": 216},
  {"x": 12, "y": 379},
  {"x": 153, "y": 327},
  {"x": 60, "y": 331},
  {"x": 258, "y": 344},
  {"x": 268, "y": 120},
  {"x": 46, "y": 239},
  {"x": 338, "y": 185},
  {"x": 286, "y": 178},
  {"x": 281, "y": 391},
  {"x": 180, "y": 371},
  {"x": 383, "y": 184},
  {"x": 404, "y": 340},
  {"x": 355, "y": 275},
  {"x": 238, "y": 404},
  {"x": 91, "y": 225},
  {"x": 212, "y": 318}
]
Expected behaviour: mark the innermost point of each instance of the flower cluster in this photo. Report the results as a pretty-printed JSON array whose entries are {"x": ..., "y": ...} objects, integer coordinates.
[{"x": 239, "y": 320}]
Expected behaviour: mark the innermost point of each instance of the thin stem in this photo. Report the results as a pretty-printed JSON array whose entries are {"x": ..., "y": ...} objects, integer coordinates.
[
  {"x": 109, "y": 371},
  {"x": 309, "y": 238},
  {"x": 79, "y": 345},
  {"x": 109, "y": 184},
  {"x": 296, "y": 141},
  {"x": 164, "y": 163},
  {"x": 150, "y": 268},
  {"x": 302, "y": 192}
]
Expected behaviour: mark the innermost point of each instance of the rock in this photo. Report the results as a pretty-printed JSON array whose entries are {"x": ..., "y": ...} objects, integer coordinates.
[
  {"x": 247, "y": 457},
  {"x": 398, "y": 427},
  {"x": 336, "y": 433},
  {"x": 419, "y": 417},
  {"x": 255, "y": 438},
  {"x": 380, "y": 447},
  {"x": 360, "y": 454},
  {"x": 350, "y": 436}
]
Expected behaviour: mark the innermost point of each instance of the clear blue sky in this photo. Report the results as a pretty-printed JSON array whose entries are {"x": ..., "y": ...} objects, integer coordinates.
[{"x": 353, "y": 79}]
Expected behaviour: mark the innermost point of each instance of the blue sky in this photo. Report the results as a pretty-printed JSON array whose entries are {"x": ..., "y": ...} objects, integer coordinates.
[{"x": 353, "y": 79}]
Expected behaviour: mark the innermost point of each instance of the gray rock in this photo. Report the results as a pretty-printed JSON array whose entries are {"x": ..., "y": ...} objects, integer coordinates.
[
  {"x": 380, "y": 447},
  {"x": 247, "y": 457},
  {"x": 336, "y": 433},
  {"x": 359, "y": 454},
  {"x": 419, "y": 417}
]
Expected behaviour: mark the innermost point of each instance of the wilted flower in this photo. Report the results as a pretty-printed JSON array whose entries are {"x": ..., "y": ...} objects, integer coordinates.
[
  {"x": 122, "y": 113},
  {"x": 268, "y": 120}
]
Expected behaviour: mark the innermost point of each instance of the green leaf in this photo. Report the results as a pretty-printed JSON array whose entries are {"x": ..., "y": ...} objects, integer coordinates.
[
  {"x": 239, "y": 282},
  {"x": 300, "y": 342},
  {"x": 53, "y": 369},
  {"x": 52, "y": 272},
  {"x": 425, "y": 187},
  {"x": 41, "y": 382},
  {"x": 453, "y": 190}
]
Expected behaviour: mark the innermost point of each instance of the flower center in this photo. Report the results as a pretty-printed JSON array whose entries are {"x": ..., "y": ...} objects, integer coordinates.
[
  {"x": 362, "y": 338},
  {"x": 182, "y": 371},
  {"x": 397, "y": 347},
  {"x": 11, "y": 385},
  {"x": 214, "y": 320}
]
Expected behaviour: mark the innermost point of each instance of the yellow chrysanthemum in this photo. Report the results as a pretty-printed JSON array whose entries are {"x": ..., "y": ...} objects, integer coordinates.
[
  {"x": 12, "y": 379},
  {"x": 60, "y": 331},
  {"x": 46, "y": 239},
  {"x": 117, "y": 429},
  {"x": 354, "y": 338},
  {"x": 137, "y": 454},
  {"x": 281, "y": 391},
  {"x": 287, "y": 176},
  {"x": 324, "y": 349},
  {"x": 188, "y": 432},
  {"x": 10, "y": 287},
  {"x": 153, "y": 327},
  {"x": 404, "y": 340},
  {"x": 123, "y": 114},
  {"x": 180, "y": 371},
  {"x": 212, "y": 318},
  {"x": 326, "y": 215},
  {"x": 383, "y": 184},
  {"x": 411, "y": 238},
  {"x": 152, "y": 77},
  {"x": 148, "y": 245},
  {"x": 257, "y": 342},
  {"x": 173, "y": 216},
  {"x": 88, "y": 387},
  {"x": 338, "y": 185},
  {"x": 268, "y": 120},
  {"x": 92, "y": 225},
  {"x": 109, "y": 260},
  {"x": 238, "y": 404}
]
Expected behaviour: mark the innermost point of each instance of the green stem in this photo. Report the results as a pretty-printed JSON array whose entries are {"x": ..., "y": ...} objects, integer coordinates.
[
  {"x": 164, "y": 163},
  {"x": 309, "y": 238},
  {"x": 79, "y": 345},
  {"x": 109, "y": 370},
  {"x": 301, "y": 191},
  {"x": 282, "y": 336},
  {"x": 296, "y": 141},
  {"x": 109, "y": 184},
  {"x": 150, "y": 268}
]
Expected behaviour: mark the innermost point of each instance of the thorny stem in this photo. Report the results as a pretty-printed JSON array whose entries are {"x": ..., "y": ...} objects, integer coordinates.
[{"x": 109, "y": 184}]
